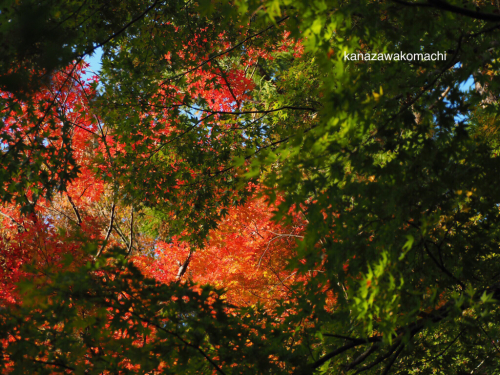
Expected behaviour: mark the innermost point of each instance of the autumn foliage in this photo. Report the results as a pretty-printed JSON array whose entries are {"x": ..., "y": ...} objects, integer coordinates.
[
  {"x": 246, "y": 255},
  {"x": 229, "y": 194}
]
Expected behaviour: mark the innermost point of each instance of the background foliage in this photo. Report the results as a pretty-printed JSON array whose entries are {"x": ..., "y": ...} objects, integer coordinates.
[{"x": 229, "y": 194}]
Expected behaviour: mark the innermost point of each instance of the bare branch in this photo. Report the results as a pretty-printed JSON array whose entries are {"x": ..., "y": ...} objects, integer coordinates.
[
  {"x": 361, "y": 358},
  {"x": 443, "y": 5},
  {"x": 442, "y": 267},
  {"x": 79, "y": 218},
  {"x": 445, "y": 349},
  {"x": 380, "y": 359},
  {"x": 224, "y": 77},
  {"x": 110, "y": 228},
  {"x": 353, "y": 344},
  {"x": 19, "y": 226},
  {"x": 226, "y": 51},
  {"x": 393, "y": 359},
  {"x": 53, "y": 363},
  {"x": 131, "y": 240},
  {"x": 117, "y": 33},
  {"x": 183, "y": 266}
]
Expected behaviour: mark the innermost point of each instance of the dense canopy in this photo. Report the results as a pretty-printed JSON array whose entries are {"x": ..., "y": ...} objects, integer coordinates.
[{"x": 246, "y": 187}]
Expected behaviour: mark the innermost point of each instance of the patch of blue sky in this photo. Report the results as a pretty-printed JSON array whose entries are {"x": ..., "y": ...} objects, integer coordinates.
[
  {"x": 467, "y": 85},
  {"x": 95, "y": 64}
]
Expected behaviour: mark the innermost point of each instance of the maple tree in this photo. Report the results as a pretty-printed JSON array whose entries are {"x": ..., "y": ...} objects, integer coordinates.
[
  {"x": 247, "y": 255},
  {"x": 231, "y": 195}
]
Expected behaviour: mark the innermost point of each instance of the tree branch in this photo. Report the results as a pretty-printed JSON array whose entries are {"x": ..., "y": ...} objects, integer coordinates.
[
  {"x": 183, "y": 266},
  {"x": 443, "y": 5},
  {"x": 224, "y": 77},
  {"x": 131, "y": 231},
  {"x": 110, "y": 228},
  {"x": 445, "y": 349},
  {"x": 19, "y": 226},
  {"x": 393, "y": 359},
  {"x": 54, "y": 364},
  {"x": 75, "y": 209},
  {"x": 442, "y": 267},
  {"x": 353, "y": 344},
  {"x": 380, "y": 359},
  {"x": 361, "y": 358},
  {"x": 114, "y": 35},
  {"x": 226, "y": 51}
]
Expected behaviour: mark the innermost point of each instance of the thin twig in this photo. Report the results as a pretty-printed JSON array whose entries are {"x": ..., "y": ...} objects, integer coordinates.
[
  {"x": 110, "y": 228},
  {"x": 342, "y": 349},
  {"x": 393, "y": 359},
  {"x": 442, "y": 267},
  {"x": 75, "y": 209},
  {"x": 131, "y": 231},
  {"x": 225, "y": 52},
  {"x": 19, "y": 226}
]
